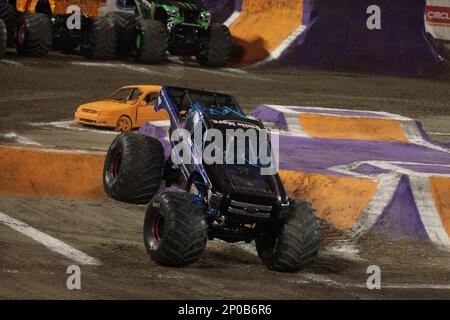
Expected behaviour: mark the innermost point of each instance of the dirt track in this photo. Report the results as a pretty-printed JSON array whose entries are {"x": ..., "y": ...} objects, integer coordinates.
[
  {"x": 112, "y": 233},
  {"x": 44, "y": 90}
]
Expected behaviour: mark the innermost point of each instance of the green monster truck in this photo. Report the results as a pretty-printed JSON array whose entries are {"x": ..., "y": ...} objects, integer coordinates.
[{"x": 180, "y": 27}]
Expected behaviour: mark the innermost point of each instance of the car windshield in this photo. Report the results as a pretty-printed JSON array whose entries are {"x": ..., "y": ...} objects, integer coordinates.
[
  {"x": 187, "y": 99},
  {"x": 126, "y": 94}
]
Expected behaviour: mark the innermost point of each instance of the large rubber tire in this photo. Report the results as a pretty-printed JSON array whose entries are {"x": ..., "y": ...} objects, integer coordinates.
[
  {"x": 134, "y": 168},
  {"x": 175, "y": 229},
  {"x": 215, "y": 47},
  {"x": 9, "y": 15},
  {"x": 151, "y": 42},
  {"x": 101, "y": 41},
  {"x": 125, "y": 27},
  {"x": 295, "y": 244},
  {"x": 34, "y": 35},
  {"x": 3, "y": 38}
]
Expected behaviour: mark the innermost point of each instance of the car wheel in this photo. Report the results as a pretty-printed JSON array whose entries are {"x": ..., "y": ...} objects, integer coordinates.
[{"x": 124, "y": 124}]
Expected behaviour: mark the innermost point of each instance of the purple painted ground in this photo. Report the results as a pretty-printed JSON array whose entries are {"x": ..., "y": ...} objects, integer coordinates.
[
  {"x": 401, "y": 218},
  {"x": 369, "y": 169},
  {"x": 316, "y": 155},
  {"x": 341, "y": 112}
]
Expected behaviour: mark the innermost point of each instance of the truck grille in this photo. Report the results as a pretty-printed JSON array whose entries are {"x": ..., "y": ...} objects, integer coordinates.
[
  {"x": 250, "y": 209},
  {"x": 190, "y": 17}
]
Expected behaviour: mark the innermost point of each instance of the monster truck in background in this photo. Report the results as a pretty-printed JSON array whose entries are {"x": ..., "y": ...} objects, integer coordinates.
[
  {"x": 42, "y": 25},
  {"x": 232, "y": 202},
  {"x": 3, "y": 38},
  {"x": 9, "y": 15},
  {"x": 180, "y": 27}
]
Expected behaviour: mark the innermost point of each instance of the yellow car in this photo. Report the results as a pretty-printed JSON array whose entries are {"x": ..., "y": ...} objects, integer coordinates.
[{"x": 128, "y": 108}]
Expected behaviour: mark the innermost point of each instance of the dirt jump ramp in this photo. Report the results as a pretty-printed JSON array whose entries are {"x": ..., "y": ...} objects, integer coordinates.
[
  {"x": 363, "y": 171},
  {"x": 372, "y": 35}
]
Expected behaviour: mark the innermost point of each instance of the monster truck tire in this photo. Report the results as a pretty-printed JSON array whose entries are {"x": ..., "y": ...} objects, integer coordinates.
[
  {"x": 34, "y": 35},
  {"x": 3, "y": 38},
  {"x": 125, "y": 27},
  {"x": 134, "y": 168},
  {"x": 151, "y": 42},
  {"x": 9, "y": 15},
  {"x": 175, "y": 229},
  {"x": 296, "y": 243},
  {"x": 215, "y": 49},
  {"x": 101, "y": 40}
]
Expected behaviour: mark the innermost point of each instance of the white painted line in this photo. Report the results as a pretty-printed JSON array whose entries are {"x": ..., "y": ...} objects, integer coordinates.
[
  {"x": 429, "y": 215},
  {"x": 11, "y": 63},
  {"x": 20, "y": 139},
  {"x": 124, "y": 66},
  {"x": 48, "y": 241},
  {"x": 394, "y": 166},
  {"x": 72, "y": 125},
  {"x": 52, "y": 150},
  {"x": 385, "y": 115},
  {"x": 231, "y": 19},
  {"x": 385, "y": 191},
  {"x": 278, "y": 51},
  {"x": 439, "y": 133},
  {"x": 293, "y": 121},
  {"x": 414, "y": 136},
  {"x": 318, "y": 278},
  {"x": 309, "y": 278}
]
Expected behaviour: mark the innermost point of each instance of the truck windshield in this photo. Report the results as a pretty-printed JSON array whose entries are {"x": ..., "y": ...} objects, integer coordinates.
[{"x": 185, "y": 99}]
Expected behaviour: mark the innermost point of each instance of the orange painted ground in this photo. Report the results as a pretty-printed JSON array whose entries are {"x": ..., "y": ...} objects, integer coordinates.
[
  {"x": 324, "y": 126},
  {"x": 36, "y": 172},
  {"x": 339, "y": 201},
  {"x": 262, "y": 26},
  {"x": 440, "y": 188},
  {"x": 50, "y": 174}
]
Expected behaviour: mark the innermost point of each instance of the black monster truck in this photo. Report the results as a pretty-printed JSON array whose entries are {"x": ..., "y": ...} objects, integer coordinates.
[
  {"x": 3, "y": 38},
  {"x": 180, "y": 27},
  {"x": 232, "y": 202}
]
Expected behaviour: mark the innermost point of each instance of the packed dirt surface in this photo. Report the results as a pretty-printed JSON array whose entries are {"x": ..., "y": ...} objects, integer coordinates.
[
  {"x": 36, "y": 92},
  {"x": 112, "y": 233},
  {"x": 50, "y": 89}
]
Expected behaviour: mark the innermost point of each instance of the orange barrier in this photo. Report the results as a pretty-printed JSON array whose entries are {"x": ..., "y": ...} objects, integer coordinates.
[
  {"x": 55, "y": 173},
  {"x": 339, "y": 200},
  {"x": 262, "y": 27},
  {"x": 440, "y": 188},
  {"x": 332, "y": 127}
]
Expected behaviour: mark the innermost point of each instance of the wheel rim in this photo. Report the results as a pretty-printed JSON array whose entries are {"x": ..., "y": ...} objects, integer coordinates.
[
  {"x": 115, "y": 166},
  {"x": 123, "y": 125},
  {"x": 21, "y": 35},
  {"x": 157, "y": 229}
]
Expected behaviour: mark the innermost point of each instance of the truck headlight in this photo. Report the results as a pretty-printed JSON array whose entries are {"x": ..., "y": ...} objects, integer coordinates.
[
  {"x": 172, "y": 12},
  {"x": 206, "y": 16}
]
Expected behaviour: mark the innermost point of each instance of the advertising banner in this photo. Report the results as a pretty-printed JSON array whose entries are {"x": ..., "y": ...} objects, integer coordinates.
[{"x": 437, "y": 19}]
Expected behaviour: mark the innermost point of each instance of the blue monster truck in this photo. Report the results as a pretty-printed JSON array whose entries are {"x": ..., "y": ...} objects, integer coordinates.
[{"x": 232, "y": 202}]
